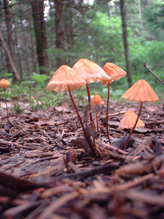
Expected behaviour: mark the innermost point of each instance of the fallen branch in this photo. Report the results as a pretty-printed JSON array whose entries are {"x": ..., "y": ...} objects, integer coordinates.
[{"x": 146, "y": 66}]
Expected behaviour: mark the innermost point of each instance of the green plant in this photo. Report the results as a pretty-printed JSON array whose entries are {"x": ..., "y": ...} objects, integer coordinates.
[
  {"x": 28, "y": 83},
  {"x": 39, "y": 78},
  {"x": 17, "y": 108}
]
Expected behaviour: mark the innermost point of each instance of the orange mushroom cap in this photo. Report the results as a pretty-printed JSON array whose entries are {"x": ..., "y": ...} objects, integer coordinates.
[
  {"x": 141, "y": 91},
  {"x": 90, "y": 71},
  {"x": 96, "y": 100},
  {"x": 114, "y": 72},
  {"x": 129, "y": 119},
  {"x": 64, "y": 77},
  {"x": 4, "y": 83}
]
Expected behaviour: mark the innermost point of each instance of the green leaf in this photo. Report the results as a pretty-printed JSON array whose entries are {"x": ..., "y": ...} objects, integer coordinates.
[{"x": 39, "y": 78}]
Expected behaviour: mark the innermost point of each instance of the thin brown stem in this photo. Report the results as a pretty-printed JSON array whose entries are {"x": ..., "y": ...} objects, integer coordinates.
[
  {"x": 133, "y": 126},
  {"x": 146, "y": 66},
  {"x": 6, "y": 104},
  {"x": 97, "y": 124},
  {"x": 89, "y": 100},
  {"x": 88, "y": 92},
  {"x": 107, "y": 108},
  {"x": 80, "y": 120}
]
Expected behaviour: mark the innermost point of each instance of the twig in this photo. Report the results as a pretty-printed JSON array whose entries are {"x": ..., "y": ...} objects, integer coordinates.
[
  {"x": 113, "y": 114},
  {"x": 114, "y": 148},
  {"x": 10, "y": 142},
  {"x": 15, "y": 165},
  {"x": 141, "y": 147},
  {"x": 146, "y": 66},
  {"x": 146, "y": 198},
  {"x": 57, "y": 204},
  {"x": 106, "y": 169},
  {"x": 123, "y": 187}
]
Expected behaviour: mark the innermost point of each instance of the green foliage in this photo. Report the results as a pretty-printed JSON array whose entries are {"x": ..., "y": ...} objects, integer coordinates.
[
  {"x": 150, "y": 52},
  {"x": 36, "y": 96},
  {"x": 39, "y": 78},
  {"x": 17, "y": 108},
  {"x": 154, "y": 14},
  {"x": 103, "y": 42},
  {"x": 90, "y": 31},
  {"x": 27, "y": 83},
  {"x": 7, "y": 75},
  {"x": 49, "y": 99},
  {"x": 154, "y": 17}
]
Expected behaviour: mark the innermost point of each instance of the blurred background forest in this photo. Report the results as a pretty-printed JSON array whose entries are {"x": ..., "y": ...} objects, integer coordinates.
[{"x": 37, "y": 36}]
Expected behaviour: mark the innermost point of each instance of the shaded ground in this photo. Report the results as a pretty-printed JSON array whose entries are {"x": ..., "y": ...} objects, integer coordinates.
[{"x": 47, "y": 170}]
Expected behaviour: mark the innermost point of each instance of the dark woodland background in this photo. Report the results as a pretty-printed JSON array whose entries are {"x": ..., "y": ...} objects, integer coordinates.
[{"x": 40, "y": 35}]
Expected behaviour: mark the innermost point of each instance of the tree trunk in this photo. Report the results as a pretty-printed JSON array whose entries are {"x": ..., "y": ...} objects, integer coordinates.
[
  {"x": 9, "y": 39},
  {"x": 110, "y": 10},
  {"x": 32, "y": 49},
  {"x": 125, "y": 41},
  {"x": 40, "y": 34},
  {"x": 19, "y": 66},
  {"x": 25, "y": 43},
  {"x": 15, "y": 73},
  {"x": 43, "y": 33},
  {"x": 140, "y": 13},
  {"x": 59, "y": 29}
]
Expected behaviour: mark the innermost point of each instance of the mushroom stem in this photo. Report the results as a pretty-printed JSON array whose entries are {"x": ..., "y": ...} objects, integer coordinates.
[
  {"x": 107, "y": 108},
  {"x": 85, "y": 134},
  {"x": 6, "y": 104},
  {"x": 89, "y": 100},
  {"x": 75, "y": 107},
  {"x": 97, "y": 124},
  {"x": 133, "y": 126},
  {"x": 88, "y": 92}
]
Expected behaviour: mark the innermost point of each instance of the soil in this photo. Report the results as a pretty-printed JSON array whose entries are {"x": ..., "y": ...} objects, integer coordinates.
[{"x": 48, "y": 169}]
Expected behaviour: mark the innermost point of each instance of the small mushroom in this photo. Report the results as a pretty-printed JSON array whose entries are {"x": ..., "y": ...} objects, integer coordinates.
[
  {"x": 67, "y": 79},
  {"x": 143, "y": 92},
  {"x": 128, "y": 121},
  {"x": 90, "y": 72},
  {"x": 97, "y": 100},
  {"x": 4, "y": 84},
  {"x": 115, "y": 73}
]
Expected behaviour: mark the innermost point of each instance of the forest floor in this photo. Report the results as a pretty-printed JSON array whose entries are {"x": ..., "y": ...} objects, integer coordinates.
[{"x": 47, "y": 170}]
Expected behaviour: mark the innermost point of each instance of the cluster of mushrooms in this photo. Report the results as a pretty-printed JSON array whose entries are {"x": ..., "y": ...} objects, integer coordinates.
[{"x": 85, "y": 71}]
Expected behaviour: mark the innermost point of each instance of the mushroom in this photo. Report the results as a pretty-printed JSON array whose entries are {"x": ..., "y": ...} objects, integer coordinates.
[
  {"x": 143, "y": 92},
  {"x": 97, "y": 100},
  {"x": 4, "y": 84},
  {"x": 115, "y": 73},
  {"x": 67, "y": 79},
  {"x": 128, "y": 121},
  {"x": 90, "y": 72}
]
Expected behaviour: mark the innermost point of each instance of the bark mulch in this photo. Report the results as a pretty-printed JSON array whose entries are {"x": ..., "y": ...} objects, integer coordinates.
[{"x": 48, "y": 170}]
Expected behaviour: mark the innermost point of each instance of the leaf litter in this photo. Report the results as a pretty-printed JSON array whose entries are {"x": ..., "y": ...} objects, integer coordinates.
[{"x": 48, "y": 170}]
